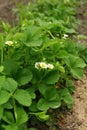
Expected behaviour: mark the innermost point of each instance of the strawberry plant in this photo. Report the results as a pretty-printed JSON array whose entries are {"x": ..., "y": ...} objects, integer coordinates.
[{"x": 37, "y": 63}]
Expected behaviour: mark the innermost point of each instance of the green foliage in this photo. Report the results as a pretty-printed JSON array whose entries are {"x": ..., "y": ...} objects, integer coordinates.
[
  {"x": 24, "y": 76},
  {"x": 38, "y": 59},
  {"x": 23, "y": 97},
  {"x": 51, "y": 77}
]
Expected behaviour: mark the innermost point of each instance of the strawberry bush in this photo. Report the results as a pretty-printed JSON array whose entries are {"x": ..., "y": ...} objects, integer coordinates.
[{"x": 38, "y": 62}]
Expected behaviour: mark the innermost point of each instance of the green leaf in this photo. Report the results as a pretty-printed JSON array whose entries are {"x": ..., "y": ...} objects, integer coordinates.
[
  {"x": 1, "y": 69},
  {"x": 18, "y": 36},
  {"x": 2, "y": 79},
  {"x": 62, "y": 54},
  {"x": 9, "y": 84},
  {"x": 1, "y": 111},
  {"x": 80, "y": 63},
  {"x": 33, "y": 107},
  {"x": 10, "y": 67},
  {"x": 11, "y": 127},
  {"x": 32, "y": 90},
  {"x": 8, "y": 117},
  {"x": 23, "y": 97},
  {"x": 42, "y": 116},
  {"x": 77, "y": 73},
  {"x": 34, "y": 43},
  {"x": 33, "y": 36},
  {"x": 70, "y": 30},
  {"x": 24, "y": 76},
  {"x": 20, "y": 115},
  {"x": 9, "y": 105},
  {"x": 61, "y": 69},
  {"x": 52, "y": 77},
  {"x": 66, "y": 96},
  {"x": 43, "y": 104},
  {"x": 4, "y": 96},
  {"x": 75, "y": 62},
  {"x": 55, "y": 104},
  {"x": 52, "y": 94},
  {"x": 1, "y": 40},
  {"x": 43, "y": 88},
  {"x": 68, "y": 99},
  {"x": 22, "y": 127},
  {"x": 70, "y": 85},
  {"x": 49, "y": 44}
]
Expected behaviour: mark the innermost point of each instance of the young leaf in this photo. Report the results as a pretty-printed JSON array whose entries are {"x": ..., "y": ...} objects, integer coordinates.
[
  {"x": 23, "y": 97},
  {"x": 42, "y": 116}
]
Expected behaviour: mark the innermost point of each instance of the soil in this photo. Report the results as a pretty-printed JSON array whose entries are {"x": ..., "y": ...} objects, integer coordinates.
[
  {"x": 76, "y": 118},
  {"x": 6, "y": 10},
  {"x": 82, "y": 17}
]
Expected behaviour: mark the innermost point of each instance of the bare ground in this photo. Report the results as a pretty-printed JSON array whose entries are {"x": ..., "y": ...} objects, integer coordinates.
[{"x": 6, "y": 10}]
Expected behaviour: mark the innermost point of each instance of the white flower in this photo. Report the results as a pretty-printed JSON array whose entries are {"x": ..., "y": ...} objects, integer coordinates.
[
  {"x": 37, "y": 64},
  {"x": 9, "y": 43},
  {"x": 43, "y": 65},
  {"x": 50, "y": 66},
  {"x": 65, "y": 36}
]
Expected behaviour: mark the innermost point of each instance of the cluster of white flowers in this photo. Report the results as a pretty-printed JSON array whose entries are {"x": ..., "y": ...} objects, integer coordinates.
[
  {"x": 43, "y": 65},
  {"x": 9, "y": 43},
  {"x": 65, "y": 36}
]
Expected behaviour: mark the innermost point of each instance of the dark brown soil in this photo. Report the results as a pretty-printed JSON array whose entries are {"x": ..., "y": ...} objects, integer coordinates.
[
  {"x": 82, "y": 16},
  {"x": 6, "y": 10}
]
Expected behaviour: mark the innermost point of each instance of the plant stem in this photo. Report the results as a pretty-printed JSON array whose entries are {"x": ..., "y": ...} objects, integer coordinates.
[
  {"x": 51, "y": 34},
  {"x": 2, "y": 58}
]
